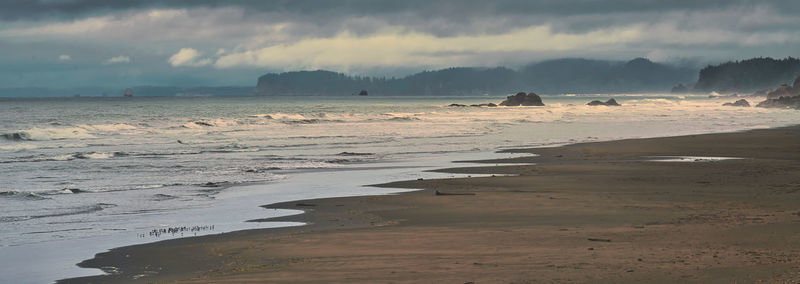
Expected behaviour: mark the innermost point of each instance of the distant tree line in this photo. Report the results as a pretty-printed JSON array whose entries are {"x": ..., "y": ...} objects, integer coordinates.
[
  {"x": 553, "y": 76},
  {"x": 138, "y": 91},
  {"x": 159, "y": 91},
  {"x": 748, "y": 75}
]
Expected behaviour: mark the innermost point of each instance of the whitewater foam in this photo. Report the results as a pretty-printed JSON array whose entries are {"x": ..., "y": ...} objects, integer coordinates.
[
  {"x": 55, "y": 133},
  {"x": 186, "y": 153}
]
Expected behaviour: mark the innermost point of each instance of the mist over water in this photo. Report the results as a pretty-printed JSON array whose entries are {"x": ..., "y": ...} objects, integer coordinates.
[{"x": 80, "y": 167}]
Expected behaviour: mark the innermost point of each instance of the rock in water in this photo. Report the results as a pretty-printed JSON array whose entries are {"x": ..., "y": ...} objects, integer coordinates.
[
  {"x": 784, "y": 96},
  {"x": 473, "y": 105},
  {"x": 739, "y": 103},
  {"x": 782, "y": 102},
  {"x": 782, "y": 91},
  {"x": 521, "y": 99},
  {"x": 363, "y": 93},
  {"x": 610, "y": 102}
]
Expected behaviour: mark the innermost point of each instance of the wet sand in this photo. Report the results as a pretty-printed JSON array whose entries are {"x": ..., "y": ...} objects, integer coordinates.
[{"x": 594, "y": 212}]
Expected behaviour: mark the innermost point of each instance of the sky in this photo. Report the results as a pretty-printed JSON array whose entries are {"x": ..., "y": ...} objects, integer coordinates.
[{"x": 72, "y": 43}]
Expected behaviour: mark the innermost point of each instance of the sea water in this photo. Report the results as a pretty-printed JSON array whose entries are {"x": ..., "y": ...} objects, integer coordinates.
[{"x": 81, "y": 175}]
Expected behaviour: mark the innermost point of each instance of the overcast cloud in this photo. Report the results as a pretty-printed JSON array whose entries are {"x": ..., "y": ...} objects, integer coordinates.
[{"x": 54, "y": 43}]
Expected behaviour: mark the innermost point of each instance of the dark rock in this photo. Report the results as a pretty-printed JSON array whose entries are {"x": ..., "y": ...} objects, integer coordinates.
[
  {"x": 739, "y": 103},
  {"x": 521, "y": 99},
  {"x": 203, "y": 123},
  {"x": 363, "y": 93},
  {"x": 610, "y": 102},
  {"x": 599, "y": 240},
  {"x": 484, "y": 105},
  {"x": 784, "y": 96},
  {"x": 782, "y": 91},
  {"x": 781, "y": 102},
  {"x": 74, "y": 190},
  {"x": 474, "y": 105}
]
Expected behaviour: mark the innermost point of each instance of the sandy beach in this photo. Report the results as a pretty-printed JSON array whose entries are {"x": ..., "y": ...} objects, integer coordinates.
[{"x": 602, "y": 212}]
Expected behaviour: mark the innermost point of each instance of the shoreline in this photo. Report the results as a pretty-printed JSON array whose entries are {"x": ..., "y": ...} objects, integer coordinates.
[{"x": 496, "y": 205}]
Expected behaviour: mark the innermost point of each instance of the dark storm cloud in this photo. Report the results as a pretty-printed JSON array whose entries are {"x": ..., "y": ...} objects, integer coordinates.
[
  {"x": 325, "y": 10},
  {"x": 367, "y": 36},
  {"x": 440, "y": 18}
]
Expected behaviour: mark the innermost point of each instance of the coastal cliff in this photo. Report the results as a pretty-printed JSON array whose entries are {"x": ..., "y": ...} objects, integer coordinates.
[{"x": 747, "y": 75}]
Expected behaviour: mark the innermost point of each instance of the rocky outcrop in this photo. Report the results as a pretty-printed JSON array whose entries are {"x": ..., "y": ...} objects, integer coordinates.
[
  {"x": 782, "y": 91},
  {"x": 521, "y": 99},
  {"x": 786, "y": 90},
  {"x": 474, "y": 105},
  {"x": 610, "y": 102},
  {"x": 784, "y": 96},
  {"x": 739, "y": 103},
  {"x": 782, "y": 102}
]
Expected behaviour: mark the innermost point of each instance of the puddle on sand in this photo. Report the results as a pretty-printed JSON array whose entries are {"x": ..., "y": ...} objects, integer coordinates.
[{"x": 689, "y": 159}]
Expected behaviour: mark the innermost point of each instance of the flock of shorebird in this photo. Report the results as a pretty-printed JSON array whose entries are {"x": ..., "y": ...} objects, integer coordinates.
[{"x": 177, "y": 230}]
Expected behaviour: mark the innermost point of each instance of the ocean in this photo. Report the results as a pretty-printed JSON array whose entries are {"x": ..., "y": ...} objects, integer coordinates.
[{"x": 83, "y": 175}]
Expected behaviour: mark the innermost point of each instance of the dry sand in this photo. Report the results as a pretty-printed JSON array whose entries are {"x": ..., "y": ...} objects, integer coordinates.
[{"x": 594, "y": 212}]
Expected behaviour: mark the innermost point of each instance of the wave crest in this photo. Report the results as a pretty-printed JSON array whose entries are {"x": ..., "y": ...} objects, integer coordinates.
[{"x": 16, "y": 136}]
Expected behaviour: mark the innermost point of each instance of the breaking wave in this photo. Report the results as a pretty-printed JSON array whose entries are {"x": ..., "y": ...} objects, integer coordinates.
[
  {"x": 21, "y": 195},
  {"x": 49, "y": 134},
  {"x": 16, "y": 136},
  {"x": 60, "y": 212},
  {"x": 84, "y": 131},
  {"x": 66, "y": 157}
]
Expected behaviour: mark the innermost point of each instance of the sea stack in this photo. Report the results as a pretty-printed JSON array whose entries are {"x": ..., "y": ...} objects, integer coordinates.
[
  {"x": 784, "y": 96},
  {"x": 521, "y": 99},
  {"x": 610, "y": 102},
  {"x": 739, "y": 103}
]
